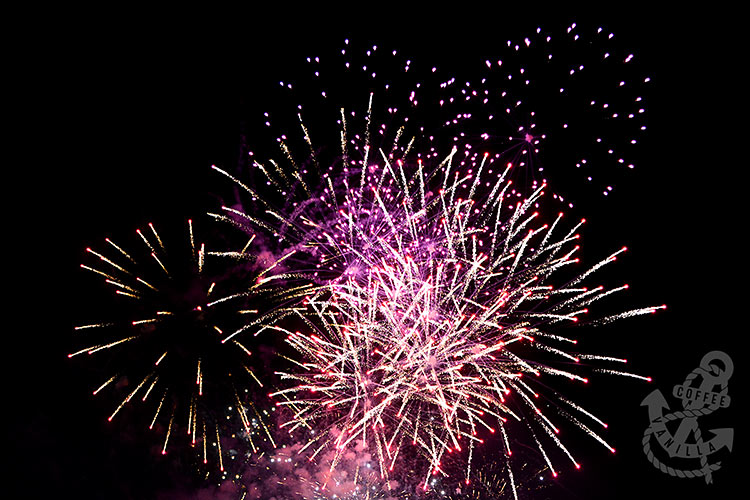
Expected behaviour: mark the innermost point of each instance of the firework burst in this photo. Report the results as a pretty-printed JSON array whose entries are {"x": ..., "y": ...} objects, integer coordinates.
[
  {"x": 443, "y": 286},
  {"x": 416, "y": 343},
  {"x": 414, "y": 113},
  {"x": 445, "y": 289},
  {"x": 176, "y": 342}
]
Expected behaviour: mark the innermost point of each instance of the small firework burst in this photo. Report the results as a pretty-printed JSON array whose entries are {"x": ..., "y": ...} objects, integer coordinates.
[{"x": 176, "y": 342}]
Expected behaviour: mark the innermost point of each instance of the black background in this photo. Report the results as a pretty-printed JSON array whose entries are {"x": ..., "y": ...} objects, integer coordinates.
[{"x": 121, "y": 114}]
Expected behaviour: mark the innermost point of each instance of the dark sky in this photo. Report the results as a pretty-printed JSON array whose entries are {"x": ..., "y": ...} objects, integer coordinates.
[{"x": 124, "y": 117}]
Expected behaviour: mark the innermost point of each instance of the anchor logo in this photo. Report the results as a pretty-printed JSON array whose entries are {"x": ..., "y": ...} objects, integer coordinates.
[{"x": 704, "y": 391}]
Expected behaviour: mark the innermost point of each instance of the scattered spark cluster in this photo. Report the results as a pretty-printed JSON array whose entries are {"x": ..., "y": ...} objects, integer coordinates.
[
  {"x": 575, "y": 88},
  {"x": 404, "y": 274}
]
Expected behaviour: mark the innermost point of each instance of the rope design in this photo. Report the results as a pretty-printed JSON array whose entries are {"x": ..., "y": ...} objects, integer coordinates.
[{"x": 703, "y": 471}]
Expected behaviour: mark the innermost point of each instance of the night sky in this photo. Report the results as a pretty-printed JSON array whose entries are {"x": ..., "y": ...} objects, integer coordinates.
[{"x": 125, "y": 116}]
